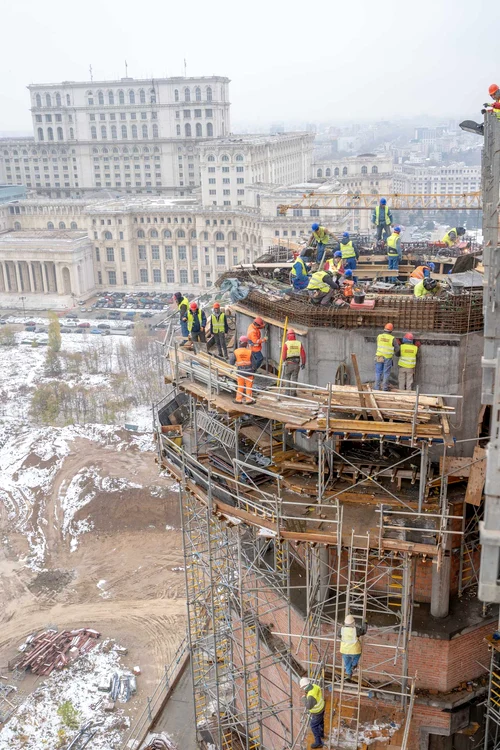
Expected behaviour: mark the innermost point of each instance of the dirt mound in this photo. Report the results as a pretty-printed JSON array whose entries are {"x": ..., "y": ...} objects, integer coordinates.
[
  {"x": 51, "y": 580},
  {"x": 131, "y": 510}
]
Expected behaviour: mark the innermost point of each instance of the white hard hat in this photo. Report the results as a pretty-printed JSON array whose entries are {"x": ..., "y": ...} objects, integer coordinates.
[
  {"x": 349, "y": 620},
  {"x": 304, "y": 682}
]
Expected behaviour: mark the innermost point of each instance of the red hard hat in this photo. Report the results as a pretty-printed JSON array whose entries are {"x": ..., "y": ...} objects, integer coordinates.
[
  {"x": 408, "y": 336},
  {"x": 388, "y": 327},
  {"x": 193, "y": 306},
  {"x": 493, "y": 89},
  {"x": 291, "y": 334},
  {"x": 259, "y": 322},
  {"x": 216, "y": 304},
  {"x": 243, "y": 340}
]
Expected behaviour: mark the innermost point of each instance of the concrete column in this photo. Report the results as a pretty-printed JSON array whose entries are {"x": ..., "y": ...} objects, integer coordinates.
[
  {"x": 18, "y": 277},
  {"x": 31, "y": 277},
  {"x": 440, "y": 592},
  {"x": 59, "y": 278},
  {"x": 5, "y": 279},
  {"x": 44, "y": 278}
]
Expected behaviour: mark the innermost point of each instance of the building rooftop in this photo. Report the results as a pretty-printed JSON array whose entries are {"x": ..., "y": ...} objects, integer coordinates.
[
  {"x": 128, "y": 81},
  {"x": 51, "y": 237},
  {"x": 257, "y": 139}
]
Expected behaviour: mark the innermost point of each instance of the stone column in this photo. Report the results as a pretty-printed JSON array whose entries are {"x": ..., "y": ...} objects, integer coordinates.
[
  {"x": 59, "y": 278},
  {"x": 5, "y": 280},
  {"x": 44, "y": 278},
  {"x": 18, "y": 277},
  {"x": 31, "y": 277},
  {"x": 440, "y": 592}
]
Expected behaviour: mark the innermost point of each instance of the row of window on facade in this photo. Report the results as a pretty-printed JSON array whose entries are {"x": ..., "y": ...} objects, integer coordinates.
[
  {"x": 131, "y": 97},
  {"x": 144, "y": 277},
  {"x": 182, "y": 252},
  {"x": 336, "y": 171}
]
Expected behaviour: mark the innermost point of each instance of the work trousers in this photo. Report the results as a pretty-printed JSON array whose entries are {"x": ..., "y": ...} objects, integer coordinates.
[
  {"x": 393, "y": 265},
  {"x": 383, "y": 373},
  {"x": 317, "y": 724},
  {"x": 257, "y": 360},
  {"x": 198, "y": 337},
  {"x": 405, "y": 378},
  {"x": 245, "y": 383},
  {"x": 384, "y": 229},
  {"x": 320, "y": 251},
  {"x": 291, "y": 373},
  {"x": 220, "y": 340},
  {"x": 350, "y": 663},
  {"x": 184, "y": 329}
]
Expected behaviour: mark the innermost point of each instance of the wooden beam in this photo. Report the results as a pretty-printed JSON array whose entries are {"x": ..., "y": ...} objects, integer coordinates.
[
  {"x": 300, "y": 330},
  {"x": 359, "y": 385}
]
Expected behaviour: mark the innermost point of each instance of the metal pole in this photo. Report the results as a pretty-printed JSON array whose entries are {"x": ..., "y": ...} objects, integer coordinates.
[{"x": 424, "y": 458}]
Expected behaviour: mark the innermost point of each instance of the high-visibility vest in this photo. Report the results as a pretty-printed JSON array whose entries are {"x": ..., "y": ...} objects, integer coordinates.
[
  {"x": 303, "y": 266},
  {"x": 316, "y": 281},
  {"x": 347, "y": 250},
  {"x": 391, "y": 244},
  {"x": 316, "y": 693},
  {"x": 418, "y": 273},
  {"x": 377, "y": 214},
  {"x": 184, "y": 301},
  {"x": 321, "y": 236},
  {"x": 334, "y": 265},
  {"x": 348, "y": 288},
  {"x": 217, "y": 324},
  {"x": 419, "y": 289},
  {"x": 293, "y": 349},
  {"x": 447, "y": 240},
  {"x": 349, "y": 641},
  {"x": 385, "y": 345},
  {"x": 408, "y": 356},
  {"x": 254, "y": 334},
  {"x": 190, "y": 319},
  {"x": 243, "y": 358}
]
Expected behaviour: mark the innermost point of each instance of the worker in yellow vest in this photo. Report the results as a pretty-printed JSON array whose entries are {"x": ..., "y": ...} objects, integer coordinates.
[
  {"x": 322, "y": 238},
  {"x": 426, "y": 287},
  {"x": 183, "y": 307},
  {"x": 451, "y": 237},
  {"x": 294, "y": 359},
  {"x": 394, "y": 252},
  {"x": 407, "y": 362},
  {"x": 219, "y": 328},
  {"x": 350, "y": 645},
  {"x": 322, "y": 286},
  {"x": 387, "y": 346},
  {"x": 315, "y": 704}
]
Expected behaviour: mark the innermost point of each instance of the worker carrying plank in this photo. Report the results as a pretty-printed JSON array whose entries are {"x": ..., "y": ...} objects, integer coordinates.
[
  {"x": 315, "y": 704},
  {"x": 387, "y": 346},
  {"x": 299, "y": 274},
  {"x": 394, "y": 252},
  {"x": 350, "y": 645},
  {"x": 254, "y": 335},
  {"x": 196, "y": 322},
  {"x": 322, "y": 287},
  {"x": 450, "y": 239},
  {"x": 407, "y": 362},
  {"x": 242, "y": 358},
  {"x": 183, "y": 307},
  {"x": 421, "y": 272},
  {"x": 322, "y": 238},
  {"x": 219, "y": 328},
  {"x": 294, "y": 359},
  {"x": 382, "y": 219},
  {"x": 426, "y": 287}
]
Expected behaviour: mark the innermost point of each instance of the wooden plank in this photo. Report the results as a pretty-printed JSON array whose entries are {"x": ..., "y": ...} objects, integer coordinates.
[
  {"x": 300, "y": 330},
  {"x": 455, "y": 467},
  {"x": 373, "y": 402},
  {"x": 359, "y": 385},
  {"x": 477, "y": 477}
]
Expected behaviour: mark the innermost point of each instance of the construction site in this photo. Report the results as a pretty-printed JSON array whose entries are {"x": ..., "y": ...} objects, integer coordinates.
[{"x": 317, "y": 500}]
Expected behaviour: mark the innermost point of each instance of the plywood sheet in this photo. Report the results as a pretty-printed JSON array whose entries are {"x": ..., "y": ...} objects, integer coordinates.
[{"x": 475, "y": 485}]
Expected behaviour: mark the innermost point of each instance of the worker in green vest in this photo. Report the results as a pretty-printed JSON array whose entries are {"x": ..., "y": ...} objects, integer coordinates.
[
  {"x": 426, "y": 287},
  {"x": 293, "y": 357},
  {"x": 350, "y": 645},
  {"x": 322, "y": 286},
  {"x": 315, "y": 704},
  {"x": 322, "y": 238},
  {"x": 349, "y": 252},
  {"x": 407, "y": 362},
  {"x": 451, "y": 237},
  {"x": 183, "y": 307},
  {"x": 196, "y": 322},
  {"x": 219, "y": 328},
  {"x": 394, "y": 252},
  {"x": 387, "y": 346},
  {"x": 382, "y": 218}
]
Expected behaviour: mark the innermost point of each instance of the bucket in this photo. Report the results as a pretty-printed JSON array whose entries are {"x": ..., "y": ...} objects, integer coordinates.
[{"x": 359, "y": 296}]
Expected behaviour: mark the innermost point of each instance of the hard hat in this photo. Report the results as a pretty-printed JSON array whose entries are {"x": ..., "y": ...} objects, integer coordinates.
[
  {"x": 397, "y": 229},
  {"x": 431, "y": 266},
  {"x": 337, "y": 254},
  {"x": 460, "y": 230},
  {"x": 408, "y": 336},
  {"x": 259, "y": 322},
  {"x": 383, "y": 201},
  {"x": 193, "y": 306},
  {"x": 430, "y": 284},
  {"x": 243, "y": 340},
  {"x": 304, "y": 682},
  {"x": 291, "y": 334},
  {"x": 346, "y": 235},
  {"x": 493, "y": 89},
  {"x": 348, "y": 273},
  {"x": 388, "y": 327},
  {"x": 349, "y": 620},
  {"x": 216, "y": 304},
  {"x": 315, "y": 227}
]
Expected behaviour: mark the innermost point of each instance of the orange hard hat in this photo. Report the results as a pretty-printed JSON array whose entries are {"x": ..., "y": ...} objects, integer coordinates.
[
  {"x": 408, "y": 336},
  {"x": 193, "y": 306},
  {"x": 493, "y": 89},
  {"x": 388, "y": 327},
  {"x": 216, "y": 304},
  {"x": 259, "y": 322},
  {"x": 291, "y": 334}
]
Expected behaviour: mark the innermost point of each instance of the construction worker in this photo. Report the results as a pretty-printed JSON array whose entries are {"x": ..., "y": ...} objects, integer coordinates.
[
  {"x": 382, "y": 218},
  {"x": 183, "y": 307},
  {"x": 350, "y": 645},
  {"x": 387, "y": 346},
  {"x": 242, "y": 358},
  {"x": 322, "y": 238},
  {"x": 349, "y": 252},
  {"x": 219, "y": 328},
  {"x": 254, "y": 335},
  {"x": 421, "y": 272},
  {"x": 425, "y": 287},
  {"x": 494, "y": 106},
  {"x": 294, "y": 359},
  {"x": 347, "y": 285},
  {"x": 407, "y": 362},
  {"x": 335, "y": 264},
  {"x": 394, "y": 252},
  {"x": 315, "y": 704},
  {"x": 196, "y": 322},
  {"x": 322, "y": 286},
  {"x": 451, "y": 237},
  {"x": 299, "y": 274}
]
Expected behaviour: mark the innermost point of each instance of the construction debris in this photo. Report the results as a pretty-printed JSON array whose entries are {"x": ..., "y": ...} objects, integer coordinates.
[{"x": 51, "y": 650}]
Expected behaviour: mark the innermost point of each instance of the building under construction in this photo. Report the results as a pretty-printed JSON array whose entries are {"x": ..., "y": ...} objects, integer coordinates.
[{"x": 340, "y": 499}]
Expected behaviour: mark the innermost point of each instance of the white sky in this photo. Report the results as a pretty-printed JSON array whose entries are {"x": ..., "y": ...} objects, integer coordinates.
[{"x": 326, "y": 61}]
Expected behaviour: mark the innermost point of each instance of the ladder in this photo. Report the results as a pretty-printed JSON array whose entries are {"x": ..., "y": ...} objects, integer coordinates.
[{"x": 468, "y": 575}]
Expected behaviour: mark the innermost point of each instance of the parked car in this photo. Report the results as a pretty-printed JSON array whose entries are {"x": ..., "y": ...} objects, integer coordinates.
[
  {"x": 120, "y": 332},
  {"x": 30, "y": 323},
  {"x": 147, "y": 314},
  {"x": 130, "y": 314},
  {"x": 85, "y": 324},
  {"x": 72, "y": 316},
  {"x": 98, "y": 330},
  {"x": 101, "y": 316},
  {"x": 71, "y": 324},
  {"x": 103, "y": 326},
  {"x": 29, "y": 328},
  {"x": 66, "y": 329},
  {"x": 114, "y": 315},
  {"x": 78, "y": 330}
]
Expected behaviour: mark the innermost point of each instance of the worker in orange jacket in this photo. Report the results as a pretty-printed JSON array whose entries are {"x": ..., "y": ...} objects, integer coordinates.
[
  {"x": 294, "y": 359},
  {"x": 242, "y": 358},
  {"x": 255, "y": 338},
  {"x": 421, "y": 272}
]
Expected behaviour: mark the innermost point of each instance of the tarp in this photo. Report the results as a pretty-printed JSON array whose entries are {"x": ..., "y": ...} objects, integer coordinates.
[{"x": 236, "y": 291}]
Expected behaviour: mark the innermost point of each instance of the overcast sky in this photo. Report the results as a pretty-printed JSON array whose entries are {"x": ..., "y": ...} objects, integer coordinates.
[{"x": 326, "y": 61}]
